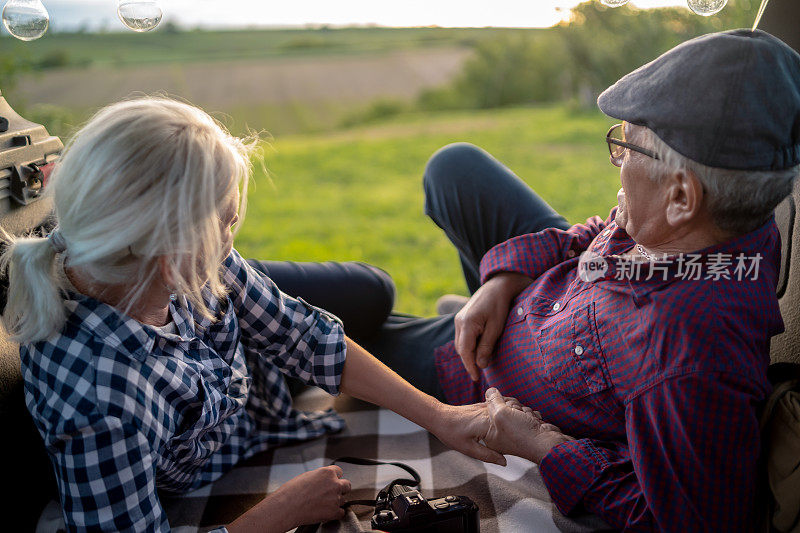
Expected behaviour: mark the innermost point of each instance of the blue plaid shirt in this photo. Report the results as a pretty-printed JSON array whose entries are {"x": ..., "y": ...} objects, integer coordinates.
[{"x": 125, "y": 409}]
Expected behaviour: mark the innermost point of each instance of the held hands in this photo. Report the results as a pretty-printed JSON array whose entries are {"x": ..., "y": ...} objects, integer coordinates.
[
  {"x": 518, "y": 430},
  {"x": 480, "y": 322},
  {"x": 461, "y": 427}
]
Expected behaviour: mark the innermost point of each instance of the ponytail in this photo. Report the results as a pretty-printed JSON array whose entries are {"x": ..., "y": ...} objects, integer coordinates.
[{"x": 35, "y": 308}]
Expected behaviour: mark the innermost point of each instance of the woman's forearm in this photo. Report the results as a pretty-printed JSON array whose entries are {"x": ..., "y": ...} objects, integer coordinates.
[
  {"x": 272, "y": 514},
  {"x": 366, "y": 378}
]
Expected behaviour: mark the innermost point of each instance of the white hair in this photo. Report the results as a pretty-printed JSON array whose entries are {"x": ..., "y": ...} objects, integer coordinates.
[
  {"x": 143, "y": 179},
  {"x": 739, "y": 201}
]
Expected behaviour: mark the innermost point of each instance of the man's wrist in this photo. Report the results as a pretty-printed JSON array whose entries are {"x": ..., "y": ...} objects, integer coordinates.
[
  {"x": 540, "y": 446},
  {"x": 510, "y": 283}
]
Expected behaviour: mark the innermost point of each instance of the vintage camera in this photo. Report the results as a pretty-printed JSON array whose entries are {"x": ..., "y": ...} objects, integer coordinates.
[
  {"x": 27, "y": 152},
  {"x": 27, "y": 156},
  {"x": 403, "y": 509}
]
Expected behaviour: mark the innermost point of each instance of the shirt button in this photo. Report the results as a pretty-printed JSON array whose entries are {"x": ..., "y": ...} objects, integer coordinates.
[
  {"x": 578, "y": 350},
  {"x": 519, "y": 311},
  {"x": 570, "y": 253},
  {"x": 556, "y": 306}
]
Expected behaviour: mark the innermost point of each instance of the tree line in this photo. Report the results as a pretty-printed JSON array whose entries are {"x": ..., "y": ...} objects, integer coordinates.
[{"x": 578, "y": 59}]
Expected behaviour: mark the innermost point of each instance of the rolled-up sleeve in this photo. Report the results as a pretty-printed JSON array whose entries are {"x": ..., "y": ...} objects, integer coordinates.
[
  {"x": 106, "y": 477},
  {"x": 690, "y": 462},
  {"x": 535, "y": 253},
  {"x": 303, "y": 341}
]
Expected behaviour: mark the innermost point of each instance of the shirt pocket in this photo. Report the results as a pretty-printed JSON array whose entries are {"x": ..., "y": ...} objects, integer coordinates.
[{"x": 572, "y": 359}]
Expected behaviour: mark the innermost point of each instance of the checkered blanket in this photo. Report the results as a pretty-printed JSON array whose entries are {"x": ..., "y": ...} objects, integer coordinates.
[{"x": 511, "y": 499}]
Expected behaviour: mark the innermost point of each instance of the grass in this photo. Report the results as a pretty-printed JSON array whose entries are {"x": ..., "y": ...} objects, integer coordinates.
[
  {"x": 291, "y": 117},
  {"x": 357, "y": 194}
]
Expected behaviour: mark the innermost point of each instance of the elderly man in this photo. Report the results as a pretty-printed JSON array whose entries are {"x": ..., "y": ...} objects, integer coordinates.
[{"x": 641, "y": 341}]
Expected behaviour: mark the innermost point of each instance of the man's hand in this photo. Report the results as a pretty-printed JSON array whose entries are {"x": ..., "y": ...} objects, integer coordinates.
[
  {"x": 518, "y": 430},
  {"x": 480, "y": 323}
]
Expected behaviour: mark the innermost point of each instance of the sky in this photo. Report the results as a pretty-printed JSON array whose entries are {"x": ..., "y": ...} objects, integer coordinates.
[{"x": 71, "y": 14}]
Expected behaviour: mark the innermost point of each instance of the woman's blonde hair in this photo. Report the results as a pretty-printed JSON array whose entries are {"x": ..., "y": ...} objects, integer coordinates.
[{"x": 143, "y": 179}]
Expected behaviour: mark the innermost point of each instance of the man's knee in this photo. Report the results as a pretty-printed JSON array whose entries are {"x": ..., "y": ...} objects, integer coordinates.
[
  {"x": 451, "y": 166},
  {"x": 381, "y": 291}
]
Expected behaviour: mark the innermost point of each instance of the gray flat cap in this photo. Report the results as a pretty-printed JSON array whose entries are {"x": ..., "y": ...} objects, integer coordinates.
[{"x": 727, "y": 100}]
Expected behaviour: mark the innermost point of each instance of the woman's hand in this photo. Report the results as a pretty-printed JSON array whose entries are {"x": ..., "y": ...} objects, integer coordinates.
[
  {"x": 318, "y": 495},
  {"x": 519, "y": 430},
  {"x": 310, "y": 498},
  {"x": 480, "y": 322},
  {"x": 462, "y": 427}
]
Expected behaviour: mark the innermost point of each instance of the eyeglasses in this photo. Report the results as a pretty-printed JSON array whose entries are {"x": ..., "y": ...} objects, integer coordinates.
[{"x": 617, "y": 145}]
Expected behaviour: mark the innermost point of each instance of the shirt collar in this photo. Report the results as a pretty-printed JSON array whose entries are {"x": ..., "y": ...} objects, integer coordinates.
[
  {"x": 125, "y": 333},
  {"x": 184, "y": 323},
  {"x": 116, "y": 330},
  {"x": 614, "y": 241}
]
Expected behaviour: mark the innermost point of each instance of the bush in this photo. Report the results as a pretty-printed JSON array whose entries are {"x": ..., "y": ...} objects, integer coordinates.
[
  {"x": 11, "y": 67},
  {"x": 54, "y": 59},
  {"x": 513, "y": 70},
  {"x": 378, "y": 110},
  {"x": 59, "y": 121},
  {"x": 442, "y": 99}
]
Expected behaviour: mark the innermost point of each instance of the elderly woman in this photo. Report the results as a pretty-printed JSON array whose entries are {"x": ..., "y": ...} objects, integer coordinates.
[
  {"x": 642, "y": 340},
  {"x": 153, "y": 355}
]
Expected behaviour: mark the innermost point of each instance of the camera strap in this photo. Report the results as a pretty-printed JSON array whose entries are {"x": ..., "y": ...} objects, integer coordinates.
[
  {"x": 311, "y": 528},
  {"x": 372, "y": 462}
]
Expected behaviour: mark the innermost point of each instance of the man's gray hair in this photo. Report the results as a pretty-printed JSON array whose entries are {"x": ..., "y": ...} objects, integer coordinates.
[{"x": 739, "y": 201}]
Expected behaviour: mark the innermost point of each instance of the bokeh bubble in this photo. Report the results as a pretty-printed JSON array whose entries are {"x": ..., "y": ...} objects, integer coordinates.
[
  {"x": 26, "y": 19},
  {"x": 706, "y": 8},
  {"x": 140, "y": 15}
]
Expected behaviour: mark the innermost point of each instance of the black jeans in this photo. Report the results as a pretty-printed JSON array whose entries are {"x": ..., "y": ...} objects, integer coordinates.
[
  {"x": 479, "y": 203},
  {"x": 361, "y": 295}
]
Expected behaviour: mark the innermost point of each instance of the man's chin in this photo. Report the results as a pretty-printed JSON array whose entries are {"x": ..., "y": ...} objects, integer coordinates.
[{"x": 621, "y": 218}]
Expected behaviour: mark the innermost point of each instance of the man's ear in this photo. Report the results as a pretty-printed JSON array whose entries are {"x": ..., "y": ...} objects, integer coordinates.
[{"x": 684, "y": 197}]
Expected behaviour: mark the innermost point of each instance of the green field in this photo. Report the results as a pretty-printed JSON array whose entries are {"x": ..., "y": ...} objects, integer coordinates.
[
  {"x": 115, "y": 50},
  {"x": 346, "y": 194},
  {"x": 339, "y": 193},
  {"x": 357, "y": 194}
]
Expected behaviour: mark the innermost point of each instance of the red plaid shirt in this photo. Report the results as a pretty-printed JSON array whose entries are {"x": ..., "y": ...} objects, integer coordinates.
[{"x": 659, "y": 379}]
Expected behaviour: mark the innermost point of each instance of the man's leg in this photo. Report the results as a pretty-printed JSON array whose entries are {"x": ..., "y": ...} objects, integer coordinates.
[
  {"x": 479, "y": 203},
  {"x": 361, "y": 295}
]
